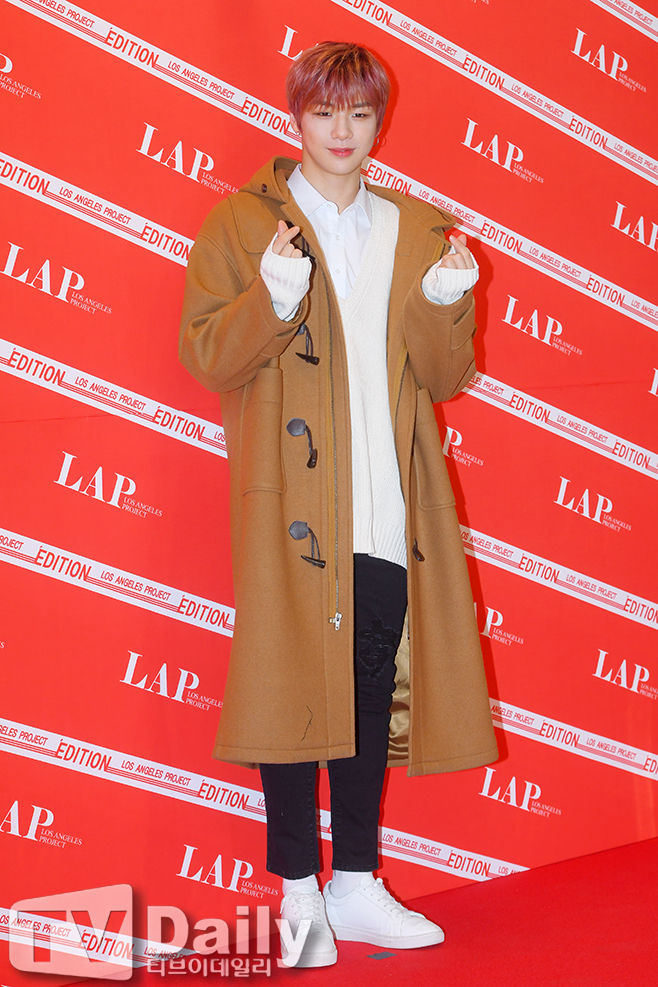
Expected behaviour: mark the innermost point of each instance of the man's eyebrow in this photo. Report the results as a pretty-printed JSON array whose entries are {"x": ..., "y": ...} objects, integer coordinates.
[{"x": 352, "y": 106}]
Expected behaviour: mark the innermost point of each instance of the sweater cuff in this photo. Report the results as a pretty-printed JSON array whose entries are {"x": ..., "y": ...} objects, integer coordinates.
[
  {"x": 445, "y": 285},
  {"x": 286, "y": 279}
]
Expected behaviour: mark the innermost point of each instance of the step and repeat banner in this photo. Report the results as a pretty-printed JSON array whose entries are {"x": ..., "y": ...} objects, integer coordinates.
[{"x": 123, "y": 124}]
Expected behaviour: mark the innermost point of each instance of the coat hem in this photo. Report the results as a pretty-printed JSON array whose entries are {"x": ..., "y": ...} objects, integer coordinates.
[
  {"x": 252, "y": 758},
  {"x": 444, "y": 765}
]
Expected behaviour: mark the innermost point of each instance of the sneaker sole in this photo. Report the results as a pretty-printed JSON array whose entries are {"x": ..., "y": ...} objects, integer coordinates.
[
  {"x": 346, "y": 934},
  {"x": 313, "y": 960}
]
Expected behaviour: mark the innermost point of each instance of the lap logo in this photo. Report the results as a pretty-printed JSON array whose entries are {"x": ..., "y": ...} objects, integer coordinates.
[
  {"x": 11, "y": 824},
  {"x": 603, "y": 504},
  {"x": 620, "y": 676},
  {"x": 638, "y": 233},
  {"x": 202, "y": 160},
  {"x": 513, "y": 153},
  {"x": 492, "y": 627},
  {"x": 81, "y": 934},
  {"x": 287, "y": 44},
  {"x": 654, "y": 386},
  {"x": 531, "y": 327},
  {"x": 42, "y": 277},
  {"x": 214, "y": 876},
  {"x": 452, "y": 449},
  {"x": 531, "y": 791},
  {"x": 186, "y": 680},
  {"x": 8, "y": 66},
  {"x": 94, "y": 488},
  {"x": 617, "y": 64},
  {"x": 493, "y": 619}
]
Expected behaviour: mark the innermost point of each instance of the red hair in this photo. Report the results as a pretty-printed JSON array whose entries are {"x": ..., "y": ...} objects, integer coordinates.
[{"x": 335, "y": 73}]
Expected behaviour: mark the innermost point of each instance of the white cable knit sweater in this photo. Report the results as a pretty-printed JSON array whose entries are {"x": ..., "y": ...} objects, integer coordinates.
[{"x": 378, "y": 505}]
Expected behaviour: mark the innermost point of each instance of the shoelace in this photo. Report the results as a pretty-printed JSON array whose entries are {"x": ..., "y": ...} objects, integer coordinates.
[
  {"x": 307, "y": 905},
  {"x": 380, "y": 894}
]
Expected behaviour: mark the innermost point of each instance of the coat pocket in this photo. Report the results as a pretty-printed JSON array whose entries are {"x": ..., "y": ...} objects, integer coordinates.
[
  {"x": 261, "y": 462},
  {"x": 464, "y": 326},
  {"x": 432, "y": 480}
]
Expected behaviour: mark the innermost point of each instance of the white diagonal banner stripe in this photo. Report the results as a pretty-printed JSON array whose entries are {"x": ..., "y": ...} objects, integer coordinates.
[
  {"x": 493, "y": 79},
  {"x": 114, "y": 399},
  {"x": 111, "y": 398},
  {"x": 93, "y": 209},
  {"x": 561, "y": 423},
  {"x": 260, "y": 114},
  {"x": 212, "y": 793},
  {"x": 174, "y": 246},
  {"x": 486, "y": 548},
  {"x": 108, "y": 580},
  {"x": 574, "y": 739},
  {"x": 76, "y": 940},
  {"x": 156, "y": 61},
  {"x": 163, "y": 65},
  {"x": 522, "y": 248},
  {"x": 266, "y": 117},
  {"x": 636, "y": 16}
]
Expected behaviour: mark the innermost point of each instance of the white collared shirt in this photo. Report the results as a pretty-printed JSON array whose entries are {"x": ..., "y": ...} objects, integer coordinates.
[{"x": 342, "y": 236}]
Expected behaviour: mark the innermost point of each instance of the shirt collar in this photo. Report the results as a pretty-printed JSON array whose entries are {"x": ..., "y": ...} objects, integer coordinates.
[{"x": 309, "y": 199}]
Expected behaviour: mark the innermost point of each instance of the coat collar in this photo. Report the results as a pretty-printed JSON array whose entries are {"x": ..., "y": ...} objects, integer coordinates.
[
  {"x": 414, "y": 252},
  {"x": 271, "y": 182}
]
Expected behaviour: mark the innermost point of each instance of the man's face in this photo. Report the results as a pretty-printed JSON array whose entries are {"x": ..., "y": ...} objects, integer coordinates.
[{"x": 336, "y": 141}]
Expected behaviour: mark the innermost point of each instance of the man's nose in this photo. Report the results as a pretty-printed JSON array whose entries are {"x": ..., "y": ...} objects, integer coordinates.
[{"x": 342, "y": 127}]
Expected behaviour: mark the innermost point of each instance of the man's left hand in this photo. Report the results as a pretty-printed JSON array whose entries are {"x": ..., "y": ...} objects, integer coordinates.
[{"x": 462, "y": 259}]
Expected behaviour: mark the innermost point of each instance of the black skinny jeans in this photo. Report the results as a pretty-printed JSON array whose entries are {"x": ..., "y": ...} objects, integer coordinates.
[{"x": 380, "y": 601}]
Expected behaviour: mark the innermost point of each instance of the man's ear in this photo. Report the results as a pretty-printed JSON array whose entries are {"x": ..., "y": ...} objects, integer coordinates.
[{"x": 294, "y": 125}]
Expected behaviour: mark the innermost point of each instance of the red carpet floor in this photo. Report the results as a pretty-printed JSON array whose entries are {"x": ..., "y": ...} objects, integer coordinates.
[{"x": 588, "y": 922}]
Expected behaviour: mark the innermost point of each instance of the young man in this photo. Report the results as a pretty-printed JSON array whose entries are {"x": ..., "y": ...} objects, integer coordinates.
[{"x": 330, "y": 316}]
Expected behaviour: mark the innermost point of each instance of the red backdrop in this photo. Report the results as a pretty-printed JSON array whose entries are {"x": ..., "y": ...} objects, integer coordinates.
[{"x": 123, "y": 126}]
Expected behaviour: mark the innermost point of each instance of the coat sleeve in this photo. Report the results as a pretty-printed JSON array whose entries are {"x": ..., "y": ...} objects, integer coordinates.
[
  {"x": 440, "y": 342},
  {"x": 229, "y": 328}
]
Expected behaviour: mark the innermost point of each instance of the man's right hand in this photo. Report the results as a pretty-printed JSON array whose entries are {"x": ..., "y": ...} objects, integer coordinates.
[{"x": 282, "y": 244}]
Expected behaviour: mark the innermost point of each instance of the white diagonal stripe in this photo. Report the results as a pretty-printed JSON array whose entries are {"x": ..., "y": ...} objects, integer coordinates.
[
  {"x": 94, "y": 209},
  {"x": 631, "y": 14},
  {"x": 561, "y": 423},
  {"x": 108, "y": 580},
  {"x": 576, "y": 740},
  {"x": 494, "y": 80},
  {"x": 266, "y": 117},
  {"x": 174, "y": 246},
  {"x": 156, "y": 61},
  {"x": 212, "y": 793},
  {"x": 558, "y": 577},
  {"x": 79, "y": 385},
  {"x": 522, "y": 248},
  {"x": 163, "y": 65}
]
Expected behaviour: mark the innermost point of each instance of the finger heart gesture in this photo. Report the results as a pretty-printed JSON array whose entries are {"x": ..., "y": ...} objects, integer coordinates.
[{"x": 282, "y": 245}]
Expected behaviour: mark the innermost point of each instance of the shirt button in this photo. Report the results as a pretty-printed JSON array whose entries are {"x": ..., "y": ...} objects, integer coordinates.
[{"x": 337, "y": 237}]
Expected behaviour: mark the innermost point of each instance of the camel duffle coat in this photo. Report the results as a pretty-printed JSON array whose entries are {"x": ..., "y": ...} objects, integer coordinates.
[{"x": 290, "y": 689}]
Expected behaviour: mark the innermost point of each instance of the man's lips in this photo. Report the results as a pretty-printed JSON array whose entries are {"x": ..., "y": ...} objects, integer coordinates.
[{"x": 342, "y": 152}]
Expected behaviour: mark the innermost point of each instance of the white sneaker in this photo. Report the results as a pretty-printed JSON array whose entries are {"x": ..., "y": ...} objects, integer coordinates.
[
  {"x": 370, "y": 914},
  {"x": 316, "y": 947}
]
